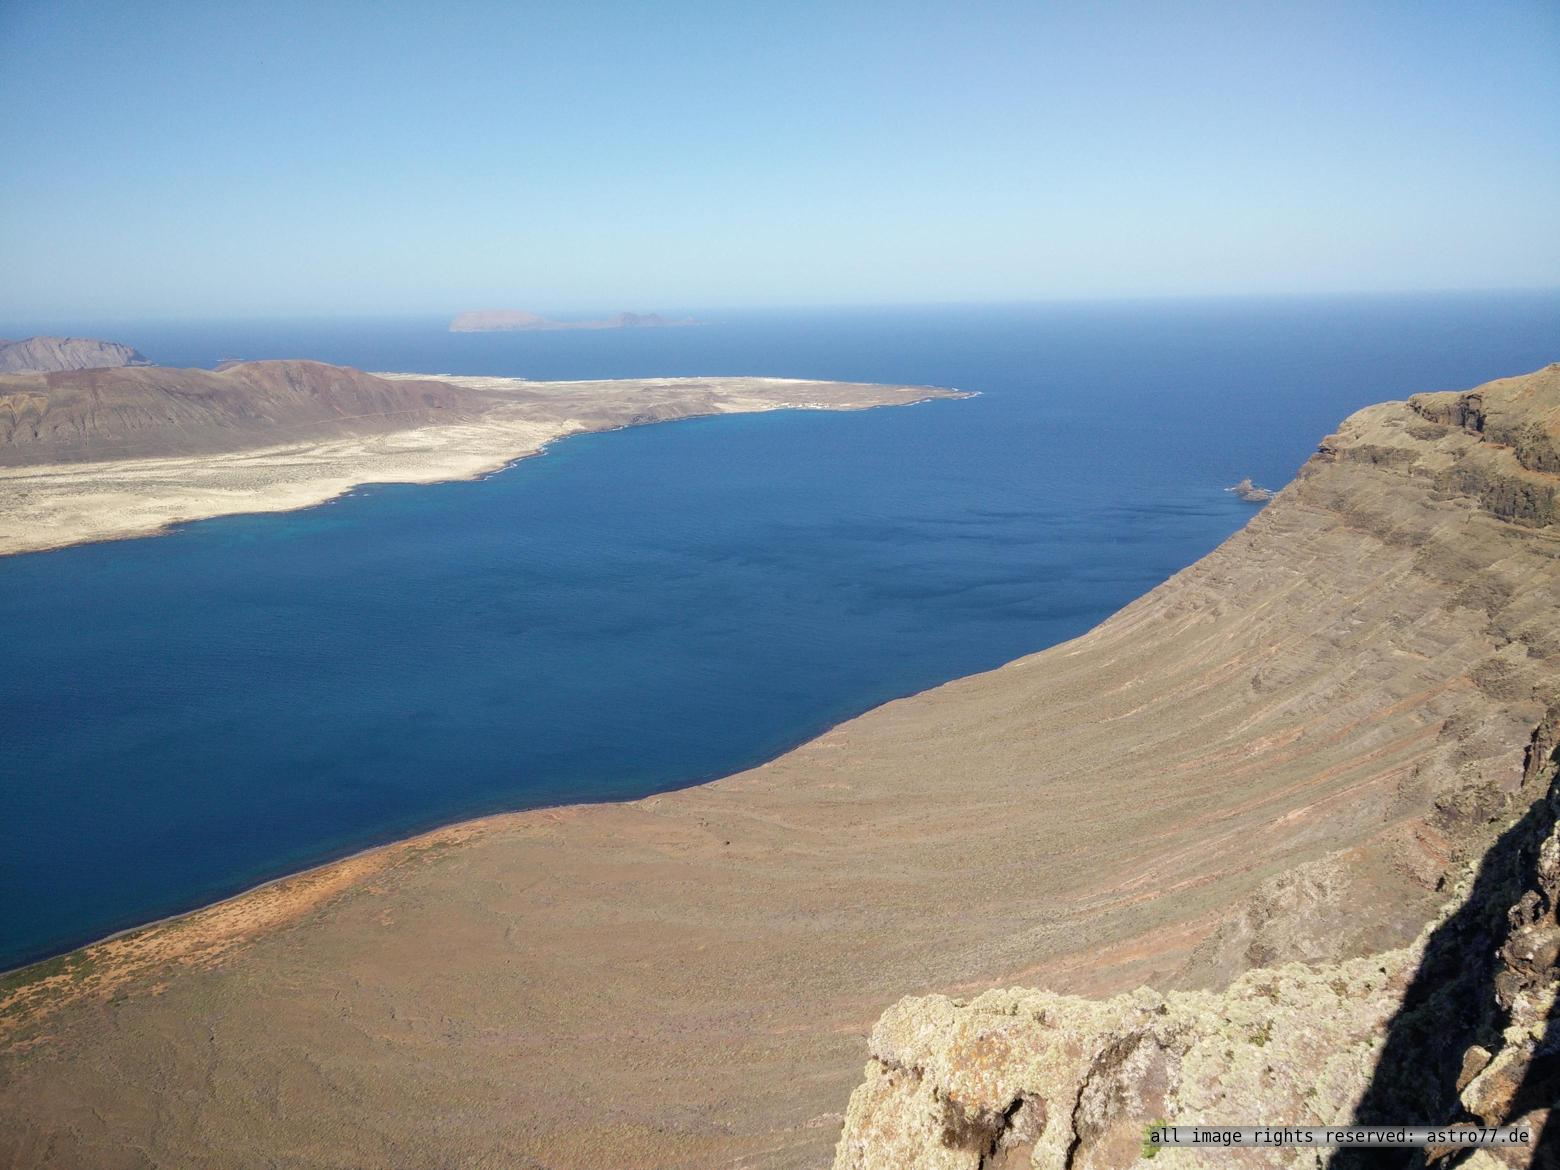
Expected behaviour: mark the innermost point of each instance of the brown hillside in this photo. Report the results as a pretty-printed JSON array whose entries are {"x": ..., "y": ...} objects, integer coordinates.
[{"x": 149, "y": 411}]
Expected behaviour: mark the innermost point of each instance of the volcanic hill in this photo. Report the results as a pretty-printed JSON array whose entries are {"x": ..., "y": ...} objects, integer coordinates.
[{"x": 43, "y": 355}]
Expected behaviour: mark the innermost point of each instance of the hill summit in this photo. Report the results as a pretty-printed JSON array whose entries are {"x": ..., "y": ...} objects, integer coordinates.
[{"x": 47, "y": 355}]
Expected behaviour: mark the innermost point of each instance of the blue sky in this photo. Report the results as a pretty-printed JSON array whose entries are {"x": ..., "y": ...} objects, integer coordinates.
[{"x": 171, "y": 159}]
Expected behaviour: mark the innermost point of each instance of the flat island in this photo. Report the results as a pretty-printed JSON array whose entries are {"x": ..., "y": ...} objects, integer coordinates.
[
  {"x": 99, "y": 454},
  {"x": 521, "y": 321}
]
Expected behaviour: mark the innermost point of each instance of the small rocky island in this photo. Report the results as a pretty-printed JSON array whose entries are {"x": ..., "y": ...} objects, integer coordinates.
[
  {"x": 520, "y": 321},
  {"x": 1251, "y": 493}
]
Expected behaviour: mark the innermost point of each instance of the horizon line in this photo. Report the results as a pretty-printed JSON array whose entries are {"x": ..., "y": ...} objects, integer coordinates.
[{"x": 791, "y": 307}]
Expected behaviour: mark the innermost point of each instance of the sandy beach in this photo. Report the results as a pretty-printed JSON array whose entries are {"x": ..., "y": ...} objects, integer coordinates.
[{"x": 54, "y": 505}]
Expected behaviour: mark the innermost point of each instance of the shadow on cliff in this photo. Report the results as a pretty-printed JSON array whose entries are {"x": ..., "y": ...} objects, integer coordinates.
[{"x": 1454, "y": 1001}]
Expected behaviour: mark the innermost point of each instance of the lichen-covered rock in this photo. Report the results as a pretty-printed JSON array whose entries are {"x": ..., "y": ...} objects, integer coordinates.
[
  {"x": 1460, "y": 1027},
  {"x": 1293, "y": 1044}
]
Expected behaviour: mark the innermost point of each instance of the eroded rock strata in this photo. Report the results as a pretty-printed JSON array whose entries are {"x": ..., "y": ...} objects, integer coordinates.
[
  {"x": 1460, "y": 1027},
  {"x": 1288, "y": 753}
]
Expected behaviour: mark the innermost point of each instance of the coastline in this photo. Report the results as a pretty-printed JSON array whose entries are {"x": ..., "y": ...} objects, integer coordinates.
[
  {"x": 50, "y": 506},
  {"x": 212, "y": 926},
  {"x": 358, "y": 859},
  {"x": 689, "y": 978}
]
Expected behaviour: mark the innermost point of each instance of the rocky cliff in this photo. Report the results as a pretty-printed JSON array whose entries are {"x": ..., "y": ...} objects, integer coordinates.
[
  {"x": 45, "y": 355},
  {"x": 93, "y": 414},
  {"x": 1512, "y": 453},
  {"x": 1459, "y": 1026}
]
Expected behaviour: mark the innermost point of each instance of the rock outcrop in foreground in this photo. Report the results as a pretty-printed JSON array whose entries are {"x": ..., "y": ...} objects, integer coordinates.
[
  {"x": 45, "y": 355},
  {"x": 1460, "y": 1027}
]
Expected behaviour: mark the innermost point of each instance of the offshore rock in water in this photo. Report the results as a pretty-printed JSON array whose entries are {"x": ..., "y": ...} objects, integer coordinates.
[{"x": 1251, "y": 493}]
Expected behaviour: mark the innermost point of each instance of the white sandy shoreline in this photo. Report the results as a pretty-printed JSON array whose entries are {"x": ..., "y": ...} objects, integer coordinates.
[{"x": 53, "y": 506}]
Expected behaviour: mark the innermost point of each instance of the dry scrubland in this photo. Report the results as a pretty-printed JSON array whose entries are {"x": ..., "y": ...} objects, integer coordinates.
[{"x": 1290, "y": 751}]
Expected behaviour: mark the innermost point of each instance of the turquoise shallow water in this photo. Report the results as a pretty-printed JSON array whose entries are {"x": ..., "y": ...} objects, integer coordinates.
[{"x": 185, "y": 716}]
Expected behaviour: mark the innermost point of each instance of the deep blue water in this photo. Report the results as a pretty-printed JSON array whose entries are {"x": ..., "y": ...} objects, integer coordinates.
[{"x": 186, "y": 716}]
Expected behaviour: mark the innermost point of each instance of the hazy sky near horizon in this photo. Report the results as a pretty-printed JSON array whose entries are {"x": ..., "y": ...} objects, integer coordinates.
[{"x": 215, "y": 158}]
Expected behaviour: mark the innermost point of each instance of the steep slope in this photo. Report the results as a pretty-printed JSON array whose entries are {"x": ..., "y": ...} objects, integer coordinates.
[
  {"x": 1314, "y": 728},
  {"x": 151, "y": 411},
  {"x": 44, "y": 355},
  {"x": 1461, "y": 1027}
]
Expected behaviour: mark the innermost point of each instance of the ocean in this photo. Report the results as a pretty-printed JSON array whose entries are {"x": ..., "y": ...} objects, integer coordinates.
[{"x": 186, "y": 716}]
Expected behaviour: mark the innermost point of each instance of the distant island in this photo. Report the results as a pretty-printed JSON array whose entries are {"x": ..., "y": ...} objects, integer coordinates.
[
  {"x": 48, "y": 355},
  {"x": 520, "y": 321},
  {"x": 97, "y": 454}
]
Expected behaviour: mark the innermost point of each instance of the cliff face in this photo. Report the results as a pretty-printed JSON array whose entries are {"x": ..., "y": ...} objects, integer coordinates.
[
  {"x": 1459, "y": 1025},
  {"x": 144, "y": 411},
  {"x": 49, "y": 354}
]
